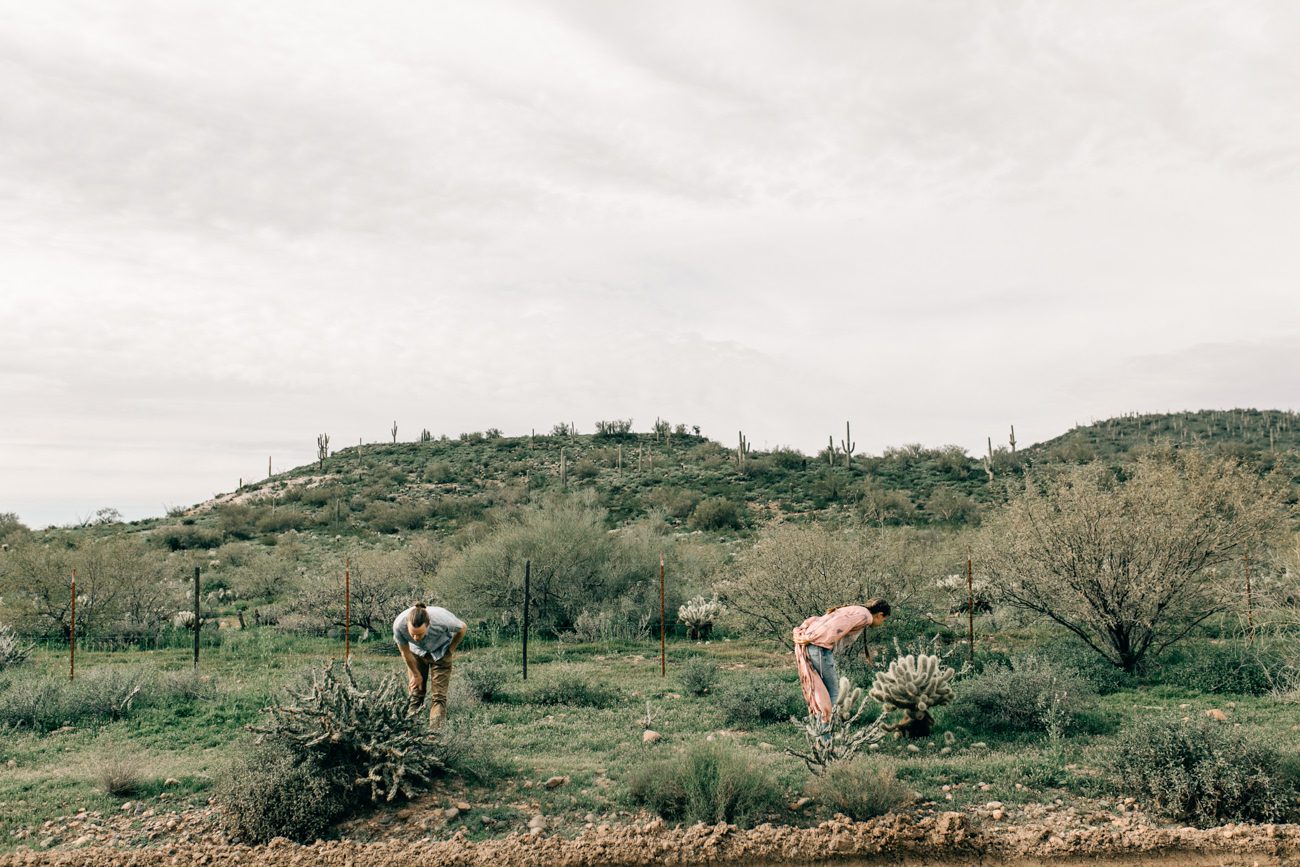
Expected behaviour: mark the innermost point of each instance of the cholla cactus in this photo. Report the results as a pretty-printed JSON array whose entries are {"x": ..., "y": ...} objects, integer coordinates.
[
  {"x": 12, "y": 650},
  {"x": 366, "y": 734},
  {"x": 844, "y": 735},
  {"x": 913, "y": 684},
  {"x": 698, "y": 614}
]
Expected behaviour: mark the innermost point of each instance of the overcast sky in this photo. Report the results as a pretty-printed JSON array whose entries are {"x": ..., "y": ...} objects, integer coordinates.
[{"x": 228, "y": 227}]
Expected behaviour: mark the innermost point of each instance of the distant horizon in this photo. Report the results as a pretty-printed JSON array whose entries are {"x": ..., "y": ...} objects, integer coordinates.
[{"x": 83, "y": 511}]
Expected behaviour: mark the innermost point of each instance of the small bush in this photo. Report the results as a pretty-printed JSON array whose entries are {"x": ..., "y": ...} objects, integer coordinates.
[
  {"x": 44, "y": 703},
  {"x": 395, "y": 517},
  {"x": 120, "y": 778},
  {"x": 186, "y": 538},
  {"x": 1231, "y": 668},
  {"x": 1203, "y": 772},
  {"x": 1104, "y": 677},
  {"x": 749, "y": 701},
  {"x": 860, "y": 789},
  {"x": 268, "y": 794},
  {"x": 699, "y": 675},
  {"x": 573, "y": 689},
  {"x": 709, "y": 782},
  {"x": 485, "y": 679},
  {"x": 1017, "y": 699},
  {"x": 677, "y": 502},
  {"x": 13, "y": 651},
  {"x": 183, "y": 686},
  {"x": 439, "y": 473},
  {"x": 715, "y": 513}
]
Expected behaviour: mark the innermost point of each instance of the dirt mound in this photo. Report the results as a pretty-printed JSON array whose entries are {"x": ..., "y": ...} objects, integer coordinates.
[{"x": 945, "y": 838}]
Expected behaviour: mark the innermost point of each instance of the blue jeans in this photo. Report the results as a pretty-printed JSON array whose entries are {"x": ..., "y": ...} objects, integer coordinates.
[{"x": 823, "y": 663}]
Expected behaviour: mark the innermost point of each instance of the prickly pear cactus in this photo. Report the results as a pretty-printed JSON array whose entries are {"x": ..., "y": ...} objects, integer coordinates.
[
  {"x": 844, "y": 735},
  {"x": 914, "y": 684}
]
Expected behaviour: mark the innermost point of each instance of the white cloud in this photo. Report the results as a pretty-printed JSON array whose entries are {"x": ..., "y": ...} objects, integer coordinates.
[{"x": 227, "y": 228}]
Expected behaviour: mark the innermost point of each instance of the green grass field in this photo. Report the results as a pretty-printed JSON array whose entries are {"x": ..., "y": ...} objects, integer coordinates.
[{"x": 188, "y": 735}]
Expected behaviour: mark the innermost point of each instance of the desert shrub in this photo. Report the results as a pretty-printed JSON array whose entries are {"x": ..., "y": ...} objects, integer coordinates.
[
  {"x": 485, "y": 679},
  {"x": 1231, "y": 668},
  {"x": 1018, "y": 698},
  {"x": 46, "y": 702},
  {"x": 750, "y": 701},
  {"x": 621, "y": 621},
  {"x": 13, "y": 651},
  {"x": 363, "y": 734},
  {"x": 715, "y": 513},
  {"x": 394, "y": 517},
  {"x": 1203, "y": 772},
  {"x": 861, "y": 789},
  {"x": 573, "y": 689},
  {"x": 270, "y": 793},
  {"x": 120, "y": 778},
  {"x": 585, "y": 469},
  {"x": 676, "y": 502},
  {"x": 185, "y": 538},
  {"x": 576, "y": 565},
  {"x": 34, "y": 703},
  {"x": 439, "y": 472},
  {"x": 1073, "y": 656},
  {"x": 184, "y": 686},
  {"x": 281, "y": 520},
  {"x": 699, "y": 675},
  {"x": 709, "y": 782}
]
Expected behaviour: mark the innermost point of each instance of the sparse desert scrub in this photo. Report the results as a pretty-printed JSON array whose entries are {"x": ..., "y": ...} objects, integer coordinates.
[
  {"x": 861, "y": 789},
  {"x": 708, "y": 782},
  {"x": 1203, "y": 771}
]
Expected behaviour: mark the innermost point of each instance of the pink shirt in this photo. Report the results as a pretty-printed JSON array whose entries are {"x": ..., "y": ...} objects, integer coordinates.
[{"x": 828, "y": 630}]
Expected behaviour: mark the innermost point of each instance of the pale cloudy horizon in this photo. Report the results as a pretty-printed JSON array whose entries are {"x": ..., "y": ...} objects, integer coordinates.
[{"x": 226, "y": 229}]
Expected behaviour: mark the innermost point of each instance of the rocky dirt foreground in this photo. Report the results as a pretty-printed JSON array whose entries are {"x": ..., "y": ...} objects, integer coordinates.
[{"x": 1037, "y": 835}]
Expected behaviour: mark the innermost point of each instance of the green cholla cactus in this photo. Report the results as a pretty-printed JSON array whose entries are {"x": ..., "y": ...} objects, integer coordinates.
[
  {"x": 844, "y": 735},
  {"x": 914, "y": 684},
  {"x": 699, "y": 614},
  {"x": 366, "y": 734}
]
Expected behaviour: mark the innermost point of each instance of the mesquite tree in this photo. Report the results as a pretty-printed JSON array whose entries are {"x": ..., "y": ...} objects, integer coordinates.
[{"x": 1129, "y": 564}]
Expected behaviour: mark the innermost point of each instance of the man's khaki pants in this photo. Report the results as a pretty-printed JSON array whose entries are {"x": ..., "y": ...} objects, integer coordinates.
[{"x": 434, "y": 678}]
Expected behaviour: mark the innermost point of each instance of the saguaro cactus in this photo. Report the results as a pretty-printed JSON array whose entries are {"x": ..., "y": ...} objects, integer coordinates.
[
  {"x": 914, "y": 684},
  {"x": 742, "y": 451},
  {"x": 394, "y": 430},
  {"x": 322, "y": 448},
  {"x": 847, "y": 445},
  {"x": 988, "y": 461},
  {"x": 1013, "y": 439}
]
